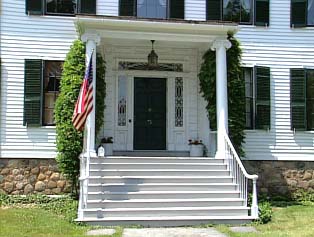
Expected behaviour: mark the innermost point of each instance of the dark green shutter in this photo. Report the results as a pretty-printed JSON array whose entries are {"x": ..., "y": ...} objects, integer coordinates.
[
  {"x": 127, "y": 7},
  {"x": 298, "y": 13},
  {"x": 262, "y": 12},
  {"x": 298, "y": 98},
  {"x": 87, "y": 7},
  {"x": 262, "y": 117},
  {"x": 177, "y": 9},
  {"x": 34, "y": 7},
  {"x": 213, "y": 10},
  {"x": 33, "y": 92},
  {"x": 309, "y": 99}
]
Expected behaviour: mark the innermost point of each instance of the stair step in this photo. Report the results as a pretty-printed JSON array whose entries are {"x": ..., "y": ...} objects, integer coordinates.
[
  {"x": 159, "y": 179},
  {"x": 161, "y": 195},
  {"x": 153, "y": 160},
  {"x": 161, "y": 187},
  {"x": 172, "y": 165},
  {"x": 156, "y": 172},
  {"x": 153, "y": 203},
  {"x": 162, "y": 221},
  {"x": 167, "y": 211}
]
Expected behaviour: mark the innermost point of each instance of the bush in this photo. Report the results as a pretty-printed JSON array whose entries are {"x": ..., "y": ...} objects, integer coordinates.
[
  {"x": 303, "y": 196},
  {"x": 265, "y": 212}
]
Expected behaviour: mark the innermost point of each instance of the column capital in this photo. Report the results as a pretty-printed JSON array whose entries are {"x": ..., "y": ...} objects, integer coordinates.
[
  {"x": 91, "y": 37},
  {"x": 219, "y": 43}
]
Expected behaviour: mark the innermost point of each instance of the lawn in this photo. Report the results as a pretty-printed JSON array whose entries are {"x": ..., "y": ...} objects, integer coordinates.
[{"x": 291, "y": 221}]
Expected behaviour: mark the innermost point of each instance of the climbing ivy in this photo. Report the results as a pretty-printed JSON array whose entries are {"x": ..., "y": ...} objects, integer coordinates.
[
  {"x": 69, "y": 140},
  {"x": 236, "y": 92}
]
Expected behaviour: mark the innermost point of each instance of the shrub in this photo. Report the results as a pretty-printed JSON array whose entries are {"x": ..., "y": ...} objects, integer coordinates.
[
  {"x": 303, "y": 196},
  {"x": 69, "y": 140},
  {"x": 265, "y": 212}
]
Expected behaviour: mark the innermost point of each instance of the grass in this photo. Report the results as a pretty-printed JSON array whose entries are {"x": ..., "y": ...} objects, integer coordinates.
[
  {"x": 35, "y": 221},
  {"x": 290, "y": 221}
]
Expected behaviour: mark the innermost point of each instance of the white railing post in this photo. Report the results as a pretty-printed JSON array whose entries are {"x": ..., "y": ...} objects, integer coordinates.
[{"x": 254, "y": 207}]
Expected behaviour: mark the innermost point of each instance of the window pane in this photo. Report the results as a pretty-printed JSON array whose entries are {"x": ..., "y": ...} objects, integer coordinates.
[
  {"x": 152, "y": 8},
  {"x": 310, "y": 12},
  {"x": 247, "y": 76},
  {"x": 61, "y": 6},
  {"x": 179, "y": 102},
  {"x": 231, "y": 10},
  {"x": 122, "y": 95},
  {"x": 246, "y": 6},
  {"x": 52, "y": 77},
  {"x": 310, "y": 99}
]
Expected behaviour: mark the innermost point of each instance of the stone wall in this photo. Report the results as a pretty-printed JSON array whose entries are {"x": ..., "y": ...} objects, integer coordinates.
[
  {"x": 27, "y": 176},
  {"x": 278, "y": 178}
]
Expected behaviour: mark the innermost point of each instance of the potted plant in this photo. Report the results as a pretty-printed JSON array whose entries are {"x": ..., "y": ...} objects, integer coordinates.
[
  {"x": 196, "y": 148},
  {"x": 107, "y": 143}
]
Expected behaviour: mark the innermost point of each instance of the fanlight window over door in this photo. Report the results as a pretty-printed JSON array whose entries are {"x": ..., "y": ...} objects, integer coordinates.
[{"x": 152, "y": 8}]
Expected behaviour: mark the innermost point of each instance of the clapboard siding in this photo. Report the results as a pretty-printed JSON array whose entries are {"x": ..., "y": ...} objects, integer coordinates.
[
  {"x": 27, "y": 37},
  {"x": 49, "y": 37}
]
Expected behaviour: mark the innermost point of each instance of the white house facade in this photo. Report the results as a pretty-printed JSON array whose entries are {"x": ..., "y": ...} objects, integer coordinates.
[{"x": 161, "y": 108}]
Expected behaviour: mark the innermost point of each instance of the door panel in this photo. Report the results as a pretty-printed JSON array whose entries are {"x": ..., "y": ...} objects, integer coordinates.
[{"x": 149, "y": 113}]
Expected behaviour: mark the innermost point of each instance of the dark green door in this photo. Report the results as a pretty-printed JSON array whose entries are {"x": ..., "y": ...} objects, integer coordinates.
[{"x": 149, "y": 114}]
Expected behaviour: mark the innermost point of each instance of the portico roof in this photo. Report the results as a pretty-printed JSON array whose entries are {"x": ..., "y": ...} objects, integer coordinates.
[{"x": 157, "y": 29}]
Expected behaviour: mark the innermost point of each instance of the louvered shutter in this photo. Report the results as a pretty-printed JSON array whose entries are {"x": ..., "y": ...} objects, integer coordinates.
[
  {"x": 34, "y": 7},
  {"x": 87, "y": 7},
  {"x": 262, "y": 117},
  {"x": 177, "y": 9},
  {"x": 127, "y": 7},
  {"x": 213, "y": 10},
  {"x": 33, "y": 92},
  {"x": 309, "y": 99},
  {"x": 262, "y": 12},
  {"x": 298, "y": 98},
  {"x": 298, "y": 13}
]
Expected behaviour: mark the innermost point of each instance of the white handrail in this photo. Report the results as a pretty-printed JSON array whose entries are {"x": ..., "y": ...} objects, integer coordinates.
[{"x": 240, "y": 174}]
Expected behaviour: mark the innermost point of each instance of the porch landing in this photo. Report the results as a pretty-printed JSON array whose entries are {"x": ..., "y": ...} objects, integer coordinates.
[
  {"x": 152, "y": 153},
  {"x": 161, "y": 191}
]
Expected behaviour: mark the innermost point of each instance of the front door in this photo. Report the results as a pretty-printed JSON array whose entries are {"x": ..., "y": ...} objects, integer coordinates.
[{"x": 149, "y": 113}]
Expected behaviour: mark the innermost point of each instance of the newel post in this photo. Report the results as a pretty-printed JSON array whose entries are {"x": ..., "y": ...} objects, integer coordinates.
[{"x": 254, "y": 207}]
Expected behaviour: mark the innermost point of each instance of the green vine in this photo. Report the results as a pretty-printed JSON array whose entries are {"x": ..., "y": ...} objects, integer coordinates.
[
  {"x": 70, "y": 141},
  {"x": 236, "y": 92}
]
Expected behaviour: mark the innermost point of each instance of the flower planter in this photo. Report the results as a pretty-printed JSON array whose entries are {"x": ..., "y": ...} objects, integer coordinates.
[
  {"x": 108, "y": 148},
  {"x": 196, "y": 150}
]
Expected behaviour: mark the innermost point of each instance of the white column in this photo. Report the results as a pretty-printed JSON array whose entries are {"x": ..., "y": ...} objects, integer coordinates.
[
  {"x": 221, "y": 45},
  {"x": 92, "y": 40}
]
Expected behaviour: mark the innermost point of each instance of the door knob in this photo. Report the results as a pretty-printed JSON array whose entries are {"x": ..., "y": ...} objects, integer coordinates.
[{"x": 149, "y": 121}]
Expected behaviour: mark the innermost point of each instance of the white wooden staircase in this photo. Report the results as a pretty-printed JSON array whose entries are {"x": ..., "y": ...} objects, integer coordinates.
[{"x": 160, "y": 191}]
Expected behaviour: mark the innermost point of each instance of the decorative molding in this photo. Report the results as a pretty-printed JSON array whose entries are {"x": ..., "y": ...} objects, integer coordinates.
[
  {"x": 93, "y": 37},
  {"x": 169, "y": 67},
  {"x": 219, "y": 43}
]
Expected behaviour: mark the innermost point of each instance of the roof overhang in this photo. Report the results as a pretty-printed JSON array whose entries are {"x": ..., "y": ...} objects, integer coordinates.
[{"x": 162, "y": 30}]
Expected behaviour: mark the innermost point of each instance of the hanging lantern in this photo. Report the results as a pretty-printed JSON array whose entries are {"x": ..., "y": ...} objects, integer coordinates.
[{"x": 152, "y": 57}]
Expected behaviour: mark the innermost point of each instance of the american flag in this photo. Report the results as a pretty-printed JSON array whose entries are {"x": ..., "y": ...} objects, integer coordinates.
[{"x": 84, "y": 103}]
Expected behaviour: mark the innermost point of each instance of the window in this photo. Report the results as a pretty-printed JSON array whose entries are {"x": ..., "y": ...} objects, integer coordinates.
[
  {"x": 161, "y": 9},
  {"x": 122, "y": 100},
  {"x": 302, "y": 13},
  {"x": 302, "y": 99},
  {"x": 257, "y": 97},
  {"x": 41, "y": 90},
  {"x": 241, "y": 11},
  {"x": 60, "y": 7}
]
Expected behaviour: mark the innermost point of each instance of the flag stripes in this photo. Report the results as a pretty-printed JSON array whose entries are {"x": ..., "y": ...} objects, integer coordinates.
[{"x": 84, "y": 103}]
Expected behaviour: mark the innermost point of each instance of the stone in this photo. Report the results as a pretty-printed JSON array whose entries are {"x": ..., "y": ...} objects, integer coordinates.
[
  {"x": 61, "y": 183},
  {"x": 55, "y": 177},
  {"x": 32, "y": 179},
  {"x": 5, "y": 171},
  {"x": 1, "y": 178},
  {"x": 52, "y": 184},
  {"x": 8, "y": 187},
  {"x": 13, "y": 163},
  {"x": 308, "y": 175},
  {"x": 101, "y": 232},
  {"x": 9, "y": 178},
  {"x": 311, "y": 184},
  {"x": 56, "y": 190},
  {"x": 35, "y": 170},
  {"x": 43, "y": 169},
  {"x": 28, "y": 189},
  {"x": 48, "y": 173},
  {"x": 19, "y": 177},
  {"x": 2, "y": 191},
  {"x": 172, "y": 232},
  {"x": 15, "y": 172},
  {"x": 243, "y": 229},
  {"x": 53, "y": 168},
  {"x": 292, "y": 183},
  {"x": 19, "y": 185},
  {"x": 303, "y": 184},
  {"x": 16, "y": 192},
  {"x": 40, "y": 186},
  {"x": 48, "y": 192},
  {"x": 41, "y": 177}
]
